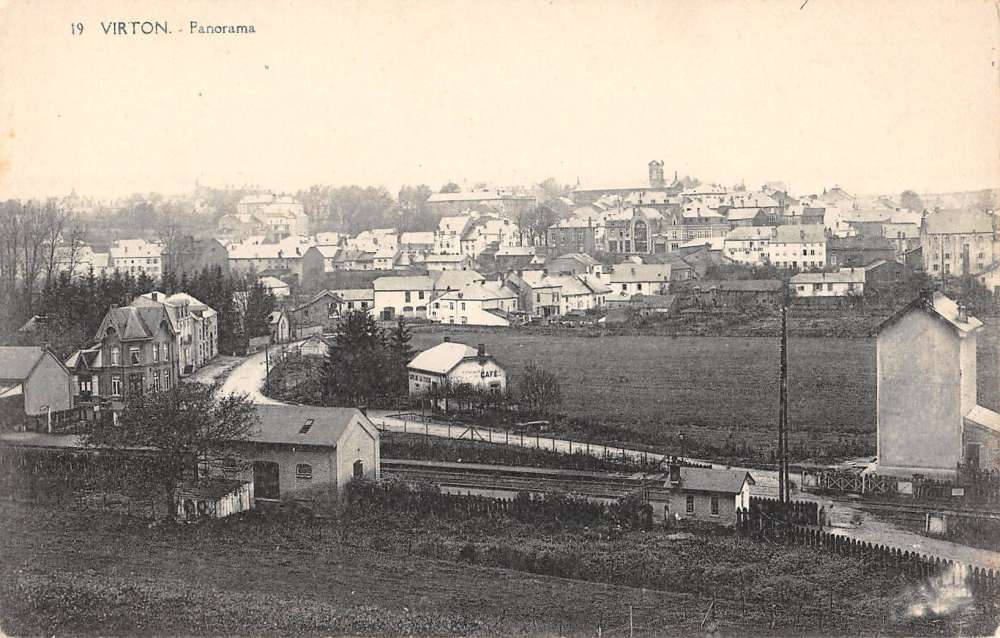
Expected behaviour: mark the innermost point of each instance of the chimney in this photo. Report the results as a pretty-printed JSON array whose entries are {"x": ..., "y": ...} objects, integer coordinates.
[
  {"x": 675, "y": 473},
  {"x": 481, "y": 351},
  {"x": 153, "y": 295},
  {"x": 963, "y": 313},
  {"x": 447, "y": 339}
]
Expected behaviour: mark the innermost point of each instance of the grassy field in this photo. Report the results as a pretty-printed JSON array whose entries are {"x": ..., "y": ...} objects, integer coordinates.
[
  {"x": 393, "y": 574},
  {"x": 710, "y": 388}
]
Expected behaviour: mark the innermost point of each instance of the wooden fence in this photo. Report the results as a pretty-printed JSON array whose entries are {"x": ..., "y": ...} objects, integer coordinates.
[{"x": 762, "y": 522}]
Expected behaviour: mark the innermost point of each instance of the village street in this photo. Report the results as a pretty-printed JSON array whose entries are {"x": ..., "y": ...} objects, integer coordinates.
[{"x": 248, "y": 377}]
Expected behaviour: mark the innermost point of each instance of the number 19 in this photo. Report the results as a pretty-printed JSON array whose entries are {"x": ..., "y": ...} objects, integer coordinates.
[{"x": 76, "y": 28}]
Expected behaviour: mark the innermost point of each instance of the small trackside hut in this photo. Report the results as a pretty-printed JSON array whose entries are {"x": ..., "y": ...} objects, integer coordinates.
[{"x": 707, "y": 494}]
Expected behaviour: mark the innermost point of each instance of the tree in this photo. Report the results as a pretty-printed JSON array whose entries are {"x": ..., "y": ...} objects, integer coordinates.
[
  {"x": 400, "y": 354},
  {"x": 451, "y": 187},
  {"x": 535, "y": 222},
  {"x": 173, "y": 430},
  {"x": 539, "y": 391},
  {"x": 354, "y": 369},
  {"x": 553, "y": 189},
  {"x": 911, "y": 200}
]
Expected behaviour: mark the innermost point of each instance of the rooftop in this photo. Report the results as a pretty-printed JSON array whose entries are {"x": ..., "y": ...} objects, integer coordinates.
[
  {"x": 285, "y": 424},
  {"x": 442, "y": 358}
]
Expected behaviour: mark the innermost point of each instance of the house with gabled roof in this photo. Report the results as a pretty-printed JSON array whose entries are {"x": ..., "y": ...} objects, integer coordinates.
[
  {"x": 134, "y": 351},
  {"x": 35, "y": 387},
  {"x": 450, "y": 364},
  {"x": 707, "y": 494},
  {"x": 303, "y": 454},
  {"x": 928, "y": 416},
  {"x": 476, "y": 304}
]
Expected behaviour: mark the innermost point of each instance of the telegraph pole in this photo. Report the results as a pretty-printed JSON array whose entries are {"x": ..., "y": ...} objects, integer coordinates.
[{"x": 783, "y": 404}]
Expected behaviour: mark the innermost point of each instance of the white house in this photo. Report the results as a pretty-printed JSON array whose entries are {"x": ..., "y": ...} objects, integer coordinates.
[
  {"x": 437, "y": 262},
  {"x": 748, "y": 244},
  {"x": 402, "y": 296},
  {"x": 846, "y": 282},
  {"x": 448, "y": 238},
  {"x": 136, "y": 256},
  {"x": 646, "y": 279},
  {"x": 477, "y": 304},
  {"x": 452, "y": 364},
  {"x": 275, "y": 286},
  {"x": 798, "y": 246}
]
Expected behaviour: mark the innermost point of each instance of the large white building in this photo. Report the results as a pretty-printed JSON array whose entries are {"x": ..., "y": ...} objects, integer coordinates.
[
  {"x": 477, "y": 304},
  {"x": 797, "y": 246},
  {"x": 452, "y": 364},
  {"x": 748, "y": 244},
  {"x": 137, "y": 256}
]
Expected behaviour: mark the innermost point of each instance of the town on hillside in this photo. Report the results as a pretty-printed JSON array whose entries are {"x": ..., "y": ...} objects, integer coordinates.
[{"x": 535, "y": 319}]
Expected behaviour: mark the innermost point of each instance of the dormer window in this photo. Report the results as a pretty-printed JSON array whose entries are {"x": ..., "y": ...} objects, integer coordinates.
[{"x": 115, "y": 356}]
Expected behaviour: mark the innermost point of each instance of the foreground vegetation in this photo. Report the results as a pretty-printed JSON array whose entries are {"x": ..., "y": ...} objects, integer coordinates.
[{"x": 372, "y": 571}]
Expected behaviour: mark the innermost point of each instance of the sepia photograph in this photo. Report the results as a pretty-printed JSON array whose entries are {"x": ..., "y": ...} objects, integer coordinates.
[{"x": 536, "y": 318}]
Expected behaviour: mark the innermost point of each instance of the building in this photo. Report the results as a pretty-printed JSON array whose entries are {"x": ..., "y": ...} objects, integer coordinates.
[
  {"x": 317, "y": 262},
  {"x": 846, "y": 282},
  {"x": 356, "y": 298},
  {"x": 281, "y": 215},
  {"x": 956, "y": 243},
  {"x": 36, "y": 389},
  {"x": 136, "y": 256},
  {"x": 316, "y": 346},
  {"x": 402, "y": 296},
  {"x": 448, "y": 238},
  {"x": 190, "y": 255},
  {"x": 858, "y": 251},
  {"x": 324, "y": 309},
  {"x": 707, "y": 494},
  {"x": 437, "y": 263},
  {"x": 134, "y": 351},
  {"x": 573, "y": 235},
  {"x": 884, "y": 273},
  {"x": 275, "y": 286},
  {"x": 646, "y": 279},
  {"x": 504, "y": 202},
  {"x": 748, "y": 244},
  {"x": 927, "y": 408},
  {"x": 768, "y": 293},
  {"x": 197, "y": 325},
  {"x": 797, "y": 247},
  {"x": 539, "y": 295},
  {"x": 575, "y": 263},
  {"x": 280, "y": 326},
  {"x": 267, "y": 258},
  {"x": 476, "y": 304},
  {"x": 303, "y": 453},
  {"x": 452, "y": 364}
]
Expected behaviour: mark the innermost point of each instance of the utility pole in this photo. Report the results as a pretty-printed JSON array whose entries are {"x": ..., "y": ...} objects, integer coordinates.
[
  {"x": 267, "y": 369},
  {"x": 783, "y": 401}
]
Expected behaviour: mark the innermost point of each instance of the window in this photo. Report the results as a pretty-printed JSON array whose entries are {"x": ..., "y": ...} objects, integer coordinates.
[
  {"x": 133, "y": 356},
  {"x": 306, "y": 426},
  {"x": 115, "y": 357},
  {"x": 420, "y": 294},
  {"x": 116, "y": 386},
  {"x": 165, "y": 349},
  {"x": 407, "y": 296},
  {"x": 166, "y": 379},
  {"x": 463, "y": 305},
  {"x": 156, "y": 380},
  {"x": 689, "y": 504},
  {"x": 638, "y": 286},
  {"x": 715, "y": 506},
  {"x": 156, "y": 353},
  {"x": 303, "y": 472},
  {"x": 829, "y": 287}
]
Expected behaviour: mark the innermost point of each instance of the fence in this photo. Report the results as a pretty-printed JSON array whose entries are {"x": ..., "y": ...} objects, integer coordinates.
[
  {"x": 763, "y": 522},
  {"x": 973, "y": 485}
]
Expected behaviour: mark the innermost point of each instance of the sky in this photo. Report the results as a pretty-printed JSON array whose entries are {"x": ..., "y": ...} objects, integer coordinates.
[{"x": 875, "y": 95}]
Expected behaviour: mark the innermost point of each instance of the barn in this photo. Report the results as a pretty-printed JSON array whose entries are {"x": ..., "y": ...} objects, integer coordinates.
[{"x": 303, "y": 454}]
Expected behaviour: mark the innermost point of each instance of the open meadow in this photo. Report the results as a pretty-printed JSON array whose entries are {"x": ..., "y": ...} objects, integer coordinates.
[
  {"x": 712, "y": 389},
  {"x": 394, "y": 573}
]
